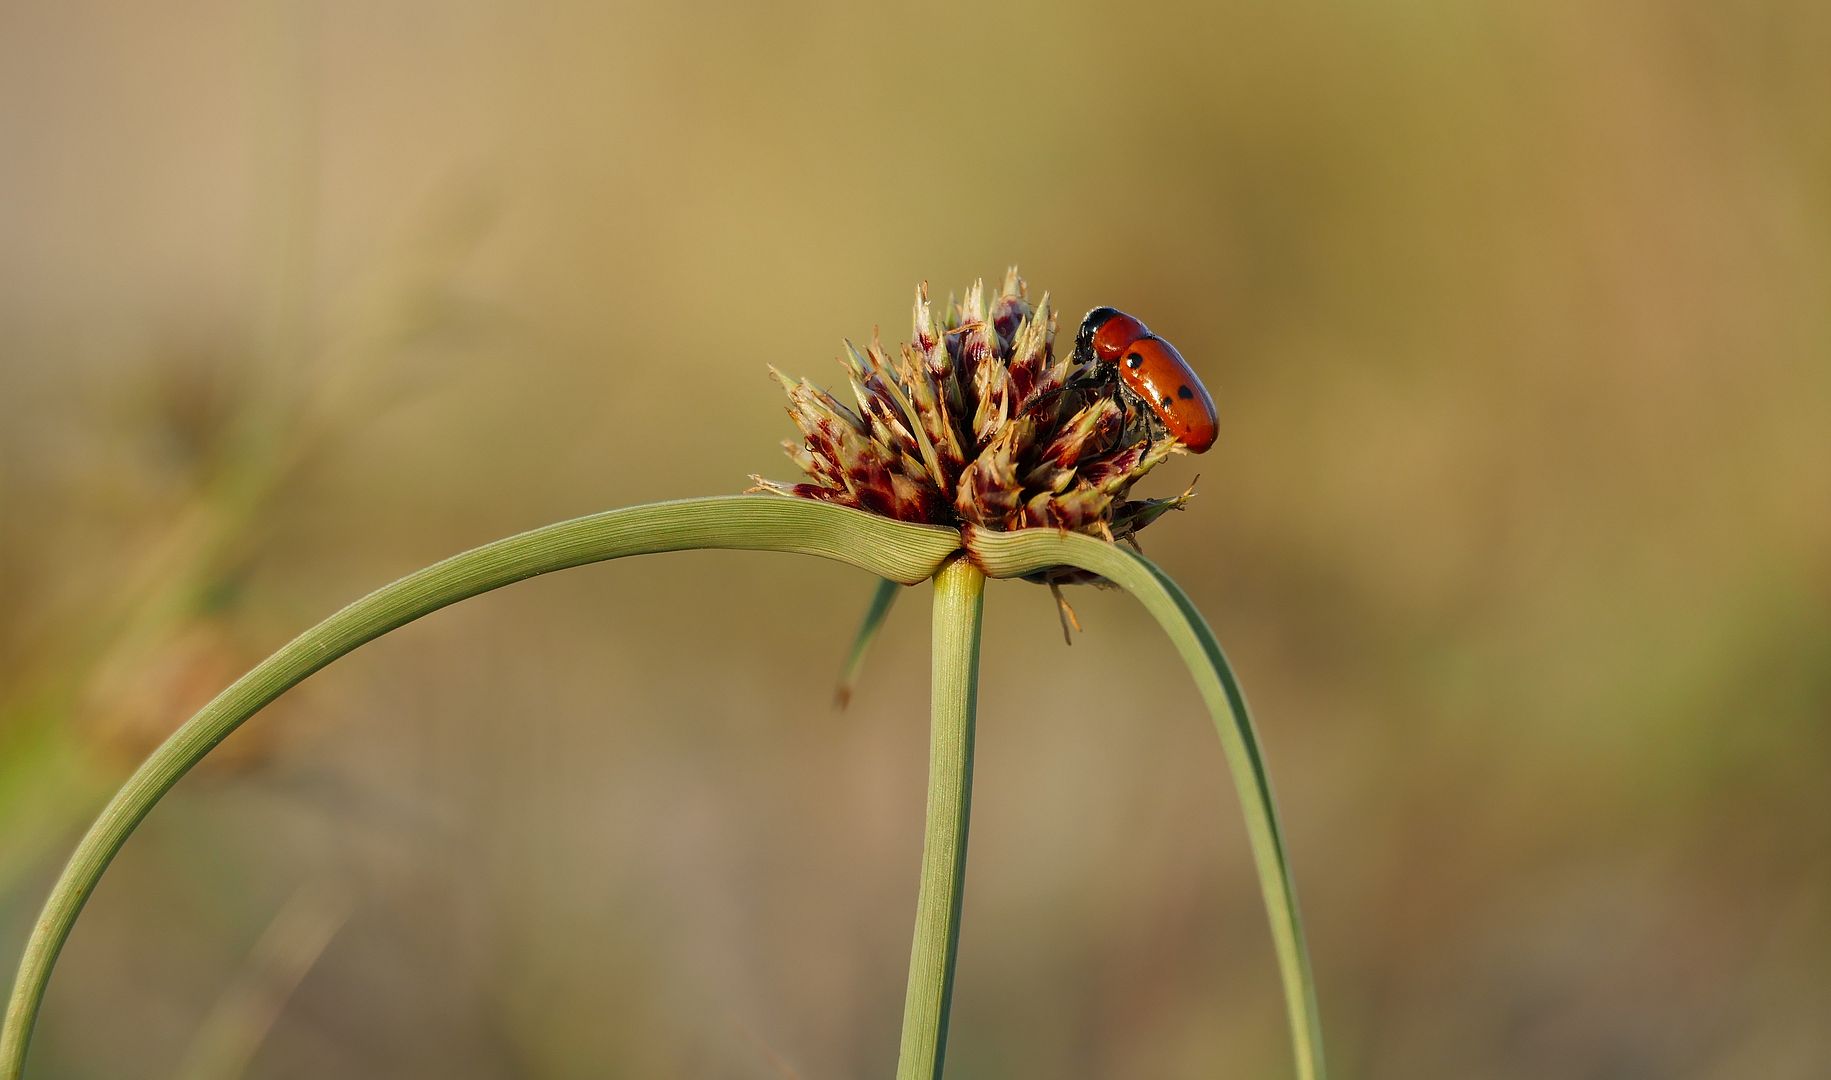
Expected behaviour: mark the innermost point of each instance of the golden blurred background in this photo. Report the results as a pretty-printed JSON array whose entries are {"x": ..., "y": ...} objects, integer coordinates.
[{"x": 1518, "y": 532}]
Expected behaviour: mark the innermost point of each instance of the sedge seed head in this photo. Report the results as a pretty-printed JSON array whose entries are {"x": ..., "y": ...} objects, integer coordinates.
[{"x": 977, "y": 421}]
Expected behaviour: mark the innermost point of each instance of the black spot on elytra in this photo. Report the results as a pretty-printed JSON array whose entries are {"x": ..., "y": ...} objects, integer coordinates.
[
  {"x": 1184, "y": 392},
  {"x": 1166, "y": 401},
  {"x": 1133, "y": 360}
]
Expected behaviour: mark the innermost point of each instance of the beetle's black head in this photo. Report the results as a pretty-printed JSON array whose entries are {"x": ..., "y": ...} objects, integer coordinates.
[{"x": 1090, "y": 325}]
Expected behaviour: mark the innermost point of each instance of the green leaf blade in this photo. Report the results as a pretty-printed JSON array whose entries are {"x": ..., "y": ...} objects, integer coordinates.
[
  {"x": 892, "y": 550},
  {"x": 1015, "y": 554},
  {"x": 882, "y": 599}
]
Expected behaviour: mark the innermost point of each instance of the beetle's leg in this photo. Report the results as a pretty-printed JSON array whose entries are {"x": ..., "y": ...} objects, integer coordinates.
[
  {"x": 1150, "y": 426},
  {"x": 1137, "y": 421},
  {"x": 1101, "y": 378}
]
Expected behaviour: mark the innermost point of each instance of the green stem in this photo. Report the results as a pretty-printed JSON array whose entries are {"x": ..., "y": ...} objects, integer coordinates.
[
  {"x": 959, "y": 604},
  {"x": 1015, "y": 554},
  {"x": 889, "y": 549}
]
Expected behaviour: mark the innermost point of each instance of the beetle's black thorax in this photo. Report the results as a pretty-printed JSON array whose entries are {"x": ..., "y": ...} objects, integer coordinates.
[{"x": 1090, "y": 325}]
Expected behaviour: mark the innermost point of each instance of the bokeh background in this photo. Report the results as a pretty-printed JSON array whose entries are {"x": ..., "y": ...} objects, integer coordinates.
[{"x": 1518, "y": 533}]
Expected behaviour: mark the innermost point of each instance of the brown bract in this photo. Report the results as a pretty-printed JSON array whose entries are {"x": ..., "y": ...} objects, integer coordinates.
[{"x": 977, "y": 422}]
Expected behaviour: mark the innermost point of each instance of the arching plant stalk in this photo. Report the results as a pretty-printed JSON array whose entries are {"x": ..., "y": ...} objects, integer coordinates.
[
  {"x": 1017, "y": 554},
  {"x": 889, "y": 549},
  {"x": 894, "y": 551}
]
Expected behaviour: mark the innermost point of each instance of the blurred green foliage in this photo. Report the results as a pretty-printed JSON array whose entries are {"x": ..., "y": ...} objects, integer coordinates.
[{"x": 1516, "y": 532}]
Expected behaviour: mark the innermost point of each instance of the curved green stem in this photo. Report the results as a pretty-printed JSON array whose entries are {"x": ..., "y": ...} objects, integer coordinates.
[
  {"x": 889, "y": 549},
  {"x": 959, "y": 603},
  {"x": 1015, "y": 554}
]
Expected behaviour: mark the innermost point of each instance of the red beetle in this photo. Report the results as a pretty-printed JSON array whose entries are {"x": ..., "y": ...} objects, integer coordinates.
[{"x": 1152, "y": 371}]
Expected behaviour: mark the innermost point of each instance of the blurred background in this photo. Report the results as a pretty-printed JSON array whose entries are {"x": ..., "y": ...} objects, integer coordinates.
[{"x": 1517, "y": 533}]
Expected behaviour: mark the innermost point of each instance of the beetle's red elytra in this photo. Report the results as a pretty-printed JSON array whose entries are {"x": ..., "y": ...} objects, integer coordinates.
[{"x": 1153, "y": 372}]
